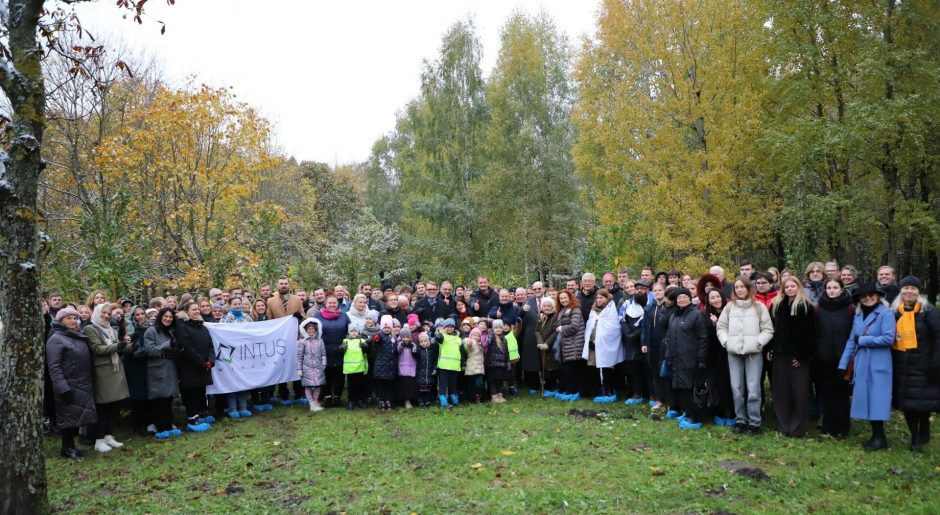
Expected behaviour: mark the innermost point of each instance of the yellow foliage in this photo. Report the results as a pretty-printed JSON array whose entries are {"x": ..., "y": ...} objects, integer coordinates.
[{"x": 670, "y": 96}]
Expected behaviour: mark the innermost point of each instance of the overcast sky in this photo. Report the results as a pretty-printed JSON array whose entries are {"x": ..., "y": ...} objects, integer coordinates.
[{"x": 331, "y": 75}]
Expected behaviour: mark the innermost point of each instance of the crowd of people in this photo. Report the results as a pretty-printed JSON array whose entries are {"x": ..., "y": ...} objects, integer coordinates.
[{"x": 692, "y": 349}]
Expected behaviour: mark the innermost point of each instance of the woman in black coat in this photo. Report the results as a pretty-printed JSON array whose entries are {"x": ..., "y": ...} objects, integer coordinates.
[
  {"x": 686, "y": 354},
  {"x": 69, "y": 361},
  {"x": 834, "y": 315},
  {"x": 793, "y": 344},
  {"x": 916, "y": 360},
  {"x": 135, "y": 369},
  {"x": 384, "y": 352},
  {"x": 718, "y": 368},
  {"x": 194, "y": 366}
]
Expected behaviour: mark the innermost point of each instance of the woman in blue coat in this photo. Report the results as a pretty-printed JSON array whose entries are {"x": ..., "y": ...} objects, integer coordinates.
[{"x": 870, "y": 345}]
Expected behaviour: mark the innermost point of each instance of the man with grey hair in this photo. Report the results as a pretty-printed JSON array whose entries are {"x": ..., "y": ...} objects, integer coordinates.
[
  {"x": 587, "y": 293},
  {"x": 832, "y": 270},
  {"x": 726, "y": 287},
  {"x": 216, "y": 295}
]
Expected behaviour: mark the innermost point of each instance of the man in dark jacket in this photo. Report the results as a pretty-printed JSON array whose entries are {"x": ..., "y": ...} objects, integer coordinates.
[
  {"x": 587, "y": 293},
  {"x": 483, "y": 298},
  {"x": 434, "y": 305},
  {"x": 525, "y": 334},
  {"x": 886, "y": 283}
]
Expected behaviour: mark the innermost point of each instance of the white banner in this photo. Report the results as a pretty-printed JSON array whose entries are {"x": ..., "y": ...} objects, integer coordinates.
[{"x": 253, "y": 355}]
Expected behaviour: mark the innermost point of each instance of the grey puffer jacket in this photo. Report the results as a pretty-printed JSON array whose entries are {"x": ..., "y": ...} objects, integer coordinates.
[{"x": 572, "y": 334}]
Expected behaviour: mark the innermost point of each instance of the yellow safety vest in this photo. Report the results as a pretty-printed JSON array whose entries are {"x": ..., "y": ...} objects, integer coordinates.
[
  {"x": 354, "y": 360},
  {"x": 449, "y": 358},
  {"x": 513, "y": 346}
]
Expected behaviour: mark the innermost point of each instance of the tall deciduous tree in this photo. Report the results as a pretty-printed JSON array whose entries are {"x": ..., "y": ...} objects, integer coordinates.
[
  {"x": 670, "y": 93},
  {"x": 533, "y": 219},
  {"x": 444, "y": 128}
]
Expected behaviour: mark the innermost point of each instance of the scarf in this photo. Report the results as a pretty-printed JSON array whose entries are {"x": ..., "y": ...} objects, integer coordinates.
[
  {"x": 330, "y": 315},
  {"x": 107, "y": 332},
  {"x": 907, "y": 332}
]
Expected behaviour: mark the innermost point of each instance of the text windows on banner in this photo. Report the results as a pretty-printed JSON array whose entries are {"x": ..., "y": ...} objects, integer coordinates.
[{"x": 253, "y": 355}]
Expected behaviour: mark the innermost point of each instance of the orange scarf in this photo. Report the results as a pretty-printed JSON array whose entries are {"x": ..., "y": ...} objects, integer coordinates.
[{"x": 907, "y": 329}]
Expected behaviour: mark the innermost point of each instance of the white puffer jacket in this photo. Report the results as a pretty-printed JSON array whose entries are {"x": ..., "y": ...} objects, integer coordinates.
[{"x": 745, "y": 327}]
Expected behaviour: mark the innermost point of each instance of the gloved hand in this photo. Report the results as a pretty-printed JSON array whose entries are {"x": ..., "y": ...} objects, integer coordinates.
[
  {"x": 363, "y": 345},
  {"x": 376, "y": 338},
  {"x": 542, "y": 346},
  {"x": 343, "y": 347},
  {"x": 122, "y": 345},
  {"x": 381, "y": 274},
  {"x": 418, "y": 276},
  {"x": 209, "y": 365},
  {"x": 300, "y": 372}
]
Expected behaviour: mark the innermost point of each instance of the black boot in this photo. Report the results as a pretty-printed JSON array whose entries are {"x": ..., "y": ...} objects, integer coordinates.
[
  {"x": 917, "y": 444},
  {"x": 71, "y": 453},
  {"x": 877, "y": 442}
]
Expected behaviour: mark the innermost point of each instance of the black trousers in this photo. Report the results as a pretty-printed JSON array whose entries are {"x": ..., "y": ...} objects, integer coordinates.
[
  {"x": 68, "y": 437},
  {"x": 162, "y": 413},
  {"x": 107, "y": 418},
  {"x": 141, "y": 414},
  {"x": 384, "y": 389},
  {"x": 357, "y": 387},
  {"x": 834, "y": 393},
  {"x": 637, "y": 379},
  {"x": 333, "y": 390},
  {"x": 572, "y": 373},
  {"x": 195, "y": 401},
  {"x": 284, "y": 393},
  {"x": 685, "y": 403},
  {"x": 447, "y": 382}
]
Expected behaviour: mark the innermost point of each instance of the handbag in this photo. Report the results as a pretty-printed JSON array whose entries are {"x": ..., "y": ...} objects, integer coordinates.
[
  {"x": 704, "y": 393},
  {"x": 849, "y": 375},
  {"x": 665, "y": 370}
]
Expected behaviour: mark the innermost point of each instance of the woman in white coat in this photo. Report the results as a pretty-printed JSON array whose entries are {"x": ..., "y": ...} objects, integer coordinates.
[
  {"x": 744, "y": 328},
  {"x": 602, "y": 348}
]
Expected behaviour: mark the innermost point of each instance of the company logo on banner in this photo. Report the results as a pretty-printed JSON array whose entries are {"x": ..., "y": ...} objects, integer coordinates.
[{"x": 253, "y": 355}]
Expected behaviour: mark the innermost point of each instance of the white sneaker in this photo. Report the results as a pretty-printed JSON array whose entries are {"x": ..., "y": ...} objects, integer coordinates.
[
  {"x": 101, "y": 446},
  {"x": 315, "y": 406},
  {"x": 114, "y": 444},
  {"x": 152, "y": 429}
]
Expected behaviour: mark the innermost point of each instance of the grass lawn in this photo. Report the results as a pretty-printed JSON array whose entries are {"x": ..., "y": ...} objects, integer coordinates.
[{"x": 526, "y": 456}]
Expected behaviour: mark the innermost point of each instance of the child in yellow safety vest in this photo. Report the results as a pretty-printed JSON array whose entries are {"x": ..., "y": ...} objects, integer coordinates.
[
  {"x": 448, "y": 363},
  {"x": 355, "y": 366}
]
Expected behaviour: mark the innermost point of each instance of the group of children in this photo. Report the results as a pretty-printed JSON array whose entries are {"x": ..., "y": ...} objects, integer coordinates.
[{"x": 412, "y": 363}]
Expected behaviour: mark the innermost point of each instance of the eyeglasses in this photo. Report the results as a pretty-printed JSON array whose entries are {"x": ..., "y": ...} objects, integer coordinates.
[{"x": 816, "y": 271}]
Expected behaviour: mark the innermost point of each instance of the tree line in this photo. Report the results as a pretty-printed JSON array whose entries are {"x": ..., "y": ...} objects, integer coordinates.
[{"x": 675, "y": 135}]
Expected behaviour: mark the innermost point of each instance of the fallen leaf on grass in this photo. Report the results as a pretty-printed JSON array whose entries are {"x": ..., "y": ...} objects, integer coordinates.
[
  {"x": 640, "y": 447},
  {"x": 275, "y": 443},
  {"x": 515, "y": 410},
  {"x": 476, "y": 466},
  {"x": 656, "y": 471},
  {"x": 896, "y": 471},
  {"x": 506, "y": 453}
]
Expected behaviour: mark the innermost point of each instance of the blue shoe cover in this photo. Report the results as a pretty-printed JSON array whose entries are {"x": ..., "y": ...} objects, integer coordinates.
[
  {"x": 234, "y": 414},
  {"x": 303, "y": 401},
  {"x": 162, "y": 435},
  {"x": 198, "y": 428},
  {"x": 454, "y": 400},
  {"x": 244, "y": 413},
  {"x": 684, "y": 424},
  {"x": 672, "y": 414},
  {"x": 443, "y": 400}
]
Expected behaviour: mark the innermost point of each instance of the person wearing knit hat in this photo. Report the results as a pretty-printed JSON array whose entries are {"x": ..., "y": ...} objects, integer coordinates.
[
  {"x": 67, "y": 311},
  {"x": 407, "y": 367},
  {"x": 916, "y": 368},
  {"x": 68, "y": 359},
  {"x": 355, "y": 366},
  {"x": 412, "y": 320},
  {"x": 384, "y": 366},
  {"x": 475, "y": 364}
]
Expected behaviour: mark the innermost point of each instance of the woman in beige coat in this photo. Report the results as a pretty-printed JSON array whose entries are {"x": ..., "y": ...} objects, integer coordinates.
[
  {"x": 744, "y": 328},
  {"x": 110, "y": 382}
]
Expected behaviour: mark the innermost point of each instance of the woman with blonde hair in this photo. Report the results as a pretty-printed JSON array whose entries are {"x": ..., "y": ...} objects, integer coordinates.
[{"x": 793, "y": 345}]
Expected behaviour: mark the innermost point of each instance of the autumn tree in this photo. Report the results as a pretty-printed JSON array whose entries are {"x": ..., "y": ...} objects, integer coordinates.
[{"x": 670, "y": 93}]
